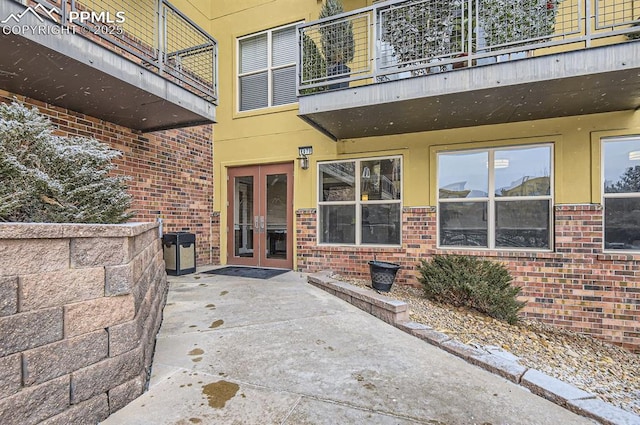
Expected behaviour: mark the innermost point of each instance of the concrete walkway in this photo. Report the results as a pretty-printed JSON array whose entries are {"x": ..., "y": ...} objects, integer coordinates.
[{"x": 280, "y": 351}]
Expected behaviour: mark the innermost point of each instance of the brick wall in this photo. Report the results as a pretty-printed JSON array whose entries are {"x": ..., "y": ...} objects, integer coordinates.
[
  {"x": 577, "y": 286},
  {"x": 171, "y": 171},
  {"x": 80, "y": 306}
]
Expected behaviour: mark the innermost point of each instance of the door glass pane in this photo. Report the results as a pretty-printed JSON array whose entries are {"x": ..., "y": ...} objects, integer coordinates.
[
  {"x": 243, "y": 217},
  {"x": 463, "y": 224},
  {"x": 463, "y": 175},
  {"x": 276, "y": 216},
  {"x": 522, "y": 224}
]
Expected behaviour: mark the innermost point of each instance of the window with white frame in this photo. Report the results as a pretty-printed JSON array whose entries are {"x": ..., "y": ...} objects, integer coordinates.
[
  {"x": 621, "y": 193},
  {"x": 267, "y": 68},
  {"x": 495, "y": 198},
  {"x": 360, "y": 201}
]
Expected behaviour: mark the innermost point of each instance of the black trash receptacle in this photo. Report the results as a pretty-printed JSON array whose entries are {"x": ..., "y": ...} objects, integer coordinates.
[
  {"x": 179, "y": 249},
  {"x": 382, "y": 274}
]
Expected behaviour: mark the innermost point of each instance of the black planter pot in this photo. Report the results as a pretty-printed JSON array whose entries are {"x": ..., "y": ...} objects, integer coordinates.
[{"x": 382, "y": 275}]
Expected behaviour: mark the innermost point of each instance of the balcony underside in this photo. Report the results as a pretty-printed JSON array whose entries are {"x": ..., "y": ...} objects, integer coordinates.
[
  {"x": 589, "y": 81},
  {"x": 73, "y": 72}
]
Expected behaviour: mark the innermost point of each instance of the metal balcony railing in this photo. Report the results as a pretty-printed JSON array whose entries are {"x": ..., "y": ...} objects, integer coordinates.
[
  {"x": 152, "y": 33},
  {"x": 399, "y": 38}
]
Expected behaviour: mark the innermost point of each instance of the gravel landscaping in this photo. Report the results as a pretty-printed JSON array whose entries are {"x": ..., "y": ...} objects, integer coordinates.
[{"x": 608, "y": 371}]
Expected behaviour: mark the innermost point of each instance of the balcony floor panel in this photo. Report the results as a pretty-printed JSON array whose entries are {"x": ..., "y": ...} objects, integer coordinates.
[{"x": 589, "y": 81}]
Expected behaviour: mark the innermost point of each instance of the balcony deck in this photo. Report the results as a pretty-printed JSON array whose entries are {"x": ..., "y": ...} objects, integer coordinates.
[
  {"x": 580, "y": 72},
  {"x": 137, "y": 85}
]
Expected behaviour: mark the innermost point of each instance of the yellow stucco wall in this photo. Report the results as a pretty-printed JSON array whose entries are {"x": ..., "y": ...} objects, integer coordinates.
[{"x": 273, "y": 135}]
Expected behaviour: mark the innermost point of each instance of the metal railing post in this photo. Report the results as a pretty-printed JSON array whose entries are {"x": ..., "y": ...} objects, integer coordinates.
[
  {"x": 161, "y": 36},
  {"x": 374, "y": 43},
  {"x": 588, "y": 21},
  {"x": 470, "y": 35}
]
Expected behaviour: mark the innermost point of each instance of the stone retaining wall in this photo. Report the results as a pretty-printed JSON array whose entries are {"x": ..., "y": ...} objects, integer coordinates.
[{"x": 80, "y": 306}]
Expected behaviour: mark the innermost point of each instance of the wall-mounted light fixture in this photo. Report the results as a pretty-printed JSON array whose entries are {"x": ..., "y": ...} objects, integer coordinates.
[
  {"x": 303, "y": 156},
  {"x": 634, "y": 156},
  {"x": 304, "y": 162}
]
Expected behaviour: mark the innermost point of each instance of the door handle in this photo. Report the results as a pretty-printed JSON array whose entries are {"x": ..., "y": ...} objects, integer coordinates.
[
  {"x": 261, "y": 224},
  {"x": 256, "y": 223}
]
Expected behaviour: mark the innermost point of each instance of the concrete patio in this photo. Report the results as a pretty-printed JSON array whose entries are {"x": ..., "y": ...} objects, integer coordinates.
[{"x": 280, "y": 351}]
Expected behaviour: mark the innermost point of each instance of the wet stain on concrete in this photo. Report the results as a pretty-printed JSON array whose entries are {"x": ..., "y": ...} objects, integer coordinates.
[
  {"x": 195, "y": 420},
  {"x": 203, "y": 284},
  {"x": 329, "y": 348},
  {"x": 216, "y": 324},
  {"x": 193, "y": 326},
  {"x": 224, "y": 292},
  {"x": 196, "y": 352},
  {"x": 196, "y": 359},
  {"x": 210, "y": 306},
  {"x": 369, "y": 386},
  {"x": 218, "y": 393}
]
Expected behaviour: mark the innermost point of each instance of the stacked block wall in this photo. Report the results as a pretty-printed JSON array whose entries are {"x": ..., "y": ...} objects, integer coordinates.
[
  {"x": 577, "y": 286},
  {"x": 80, "y": 306},
  {"x": 171, "y": 171}
]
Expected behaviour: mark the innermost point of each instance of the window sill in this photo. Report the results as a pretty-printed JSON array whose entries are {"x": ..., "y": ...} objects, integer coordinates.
[
  {"x": 500, "y": 253},
  {"x": 355, "y": 248},
  {"x": 266, "y": 111}
]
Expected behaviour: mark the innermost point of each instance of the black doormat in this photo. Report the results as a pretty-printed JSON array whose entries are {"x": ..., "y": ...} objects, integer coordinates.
[{"x": 252, "y": 272}]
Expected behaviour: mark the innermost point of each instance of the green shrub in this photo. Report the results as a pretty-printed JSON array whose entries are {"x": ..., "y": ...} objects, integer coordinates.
[
  {"x": 468, "y": 281},
  {"x": 48, "y": 178}
]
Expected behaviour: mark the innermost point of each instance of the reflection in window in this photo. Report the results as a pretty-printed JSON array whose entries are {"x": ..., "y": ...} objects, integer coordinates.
[
  {"x": 511, "y": 193},
  {"x": 463, "y": 224},
  {"x": 523, "y": 172},
  {"x": 463, "y": 175},
  {"x": 337, "y": 224},
  {"x": 360, "y": 201},
  {"x": 337, "y": 181},
  {"x": 522, "y": 224},
  {"x": 622, "y": 194}
]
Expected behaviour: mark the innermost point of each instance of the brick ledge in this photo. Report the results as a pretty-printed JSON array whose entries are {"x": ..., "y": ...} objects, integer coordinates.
[{"x": 384, "y": 308}]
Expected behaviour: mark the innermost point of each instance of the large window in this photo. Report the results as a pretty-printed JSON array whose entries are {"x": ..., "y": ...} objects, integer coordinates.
[
  {"x": 360, "y": 202},
  {"x": 621, "y": 165},
  {"x": 495, "y": 198},
  {"x": 267, "y": 68}
]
